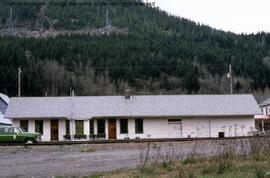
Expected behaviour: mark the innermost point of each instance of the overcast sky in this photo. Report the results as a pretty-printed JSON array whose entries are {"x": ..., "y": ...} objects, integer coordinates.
[{"x": 239, "y": 16}]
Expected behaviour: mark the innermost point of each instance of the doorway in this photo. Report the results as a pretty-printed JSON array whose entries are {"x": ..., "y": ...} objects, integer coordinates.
[
  {"x": 221, "y": 134},
  {"x": 175, "y": 128},
  {"x": 54, "y": 130},
  {"x": 112, "y": 129}
]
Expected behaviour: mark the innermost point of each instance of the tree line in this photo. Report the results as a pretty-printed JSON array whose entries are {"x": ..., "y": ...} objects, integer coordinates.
[{"x": 160, "y": 54}]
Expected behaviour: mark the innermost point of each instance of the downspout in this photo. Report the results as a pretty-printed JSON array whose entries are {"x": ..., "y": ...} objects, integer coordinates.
[{"x": 210, "y": 130}]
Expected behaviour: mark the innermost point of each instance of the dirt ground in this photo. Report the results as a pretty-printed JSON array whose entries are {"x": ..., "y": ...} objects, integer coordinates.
[{"x": 84, "y": 160}]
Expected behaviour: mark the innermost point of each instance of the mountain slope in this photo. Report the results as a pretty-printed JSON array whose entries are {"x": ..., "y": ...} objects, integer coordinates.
[{"x": 160, "y": 53}]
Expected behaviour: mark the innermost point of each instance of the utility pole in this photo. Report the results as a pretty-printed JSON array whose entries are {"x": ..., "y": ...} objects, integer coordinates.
[
  {"x": 19, "y": 81},
  {"x": 108, "y": 20},
  {"x": 230, "y": 77},
  {"x": 72, "y": 122},
  {"x": 10, "y": 24},
  {"x": 108, "y": 25}
]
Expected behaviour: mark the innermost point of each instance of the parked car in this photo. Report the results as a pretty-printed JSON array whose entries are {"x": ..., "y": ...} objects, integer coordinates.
[{"x": 17, "y": 135}]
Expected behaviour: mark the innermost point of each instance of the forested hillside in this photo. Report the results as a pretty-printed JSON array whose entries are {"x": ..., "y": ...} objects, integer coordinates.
[{"x": 160, "y": 54}]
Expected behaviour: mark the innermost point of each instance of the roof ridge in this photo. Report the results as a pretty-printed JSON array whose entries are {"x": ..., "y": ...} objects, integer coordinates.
[{"x": 207, "y": 95}]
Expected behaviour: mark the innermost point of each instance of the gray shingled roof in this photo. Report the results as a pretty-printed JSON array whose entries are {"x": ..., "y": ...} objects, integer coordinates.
[
  {"x": 265, "y": 102},
  {"x": 118, "y": 106}
]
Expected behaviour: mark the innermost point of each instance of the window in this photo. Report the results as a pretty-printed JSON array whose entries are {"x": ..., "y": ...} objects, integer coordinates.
[
  {"x": 123, "y": 126},
  {"x": 10, "y": 130},
  {"x": 173, "y": 121},
  {"x": 221, "y": 134},
  {"x": 24, "y": 125},
  {"x": 266, "y": 126},
  {"x": 91, "y": 126},
  {"x": 39, "y": 126},
  {"x": 6, "y": 130},
  {"x": 67, "y": 127},
  {"x": 138, "y": 125},
  {"x": 101, "y": 126},
  {"x": 79, "y": 127},
  {"x": 2, "y": 130}
]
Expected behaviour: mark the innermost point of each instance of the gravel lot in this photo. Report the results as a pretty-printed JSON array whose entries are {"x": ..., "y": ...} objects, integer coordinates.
[{"x": 83, "y": 160}]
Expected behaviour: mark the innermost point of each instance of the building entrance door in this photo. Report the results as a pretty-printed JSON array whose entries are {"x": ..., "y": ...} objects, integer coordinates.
[
  {"x": 54, "y": 130},
  {"x": 112, "y": 129}
]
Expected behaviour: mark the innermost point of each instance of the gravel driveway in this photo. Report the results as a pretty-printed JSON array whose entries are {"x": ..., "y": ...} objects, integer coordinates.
[{"x": 83, "y": 160}]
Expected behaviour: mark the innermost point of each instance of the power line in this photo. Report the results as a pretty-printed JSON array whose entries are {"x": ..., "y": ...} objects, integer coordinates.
[
  {"x": 67, "y": 84},
  {"x": 140, "y": 66}
]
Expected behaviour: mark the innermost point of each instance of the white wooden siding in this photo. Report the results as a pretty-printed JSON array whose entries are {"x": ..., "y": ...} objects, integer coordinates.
[
  {"x": 159, "y": 127},
  {"x": 175, "y": 129},
  {"x": 46, "y": 130},
  {"x": 86, "y": 127}
]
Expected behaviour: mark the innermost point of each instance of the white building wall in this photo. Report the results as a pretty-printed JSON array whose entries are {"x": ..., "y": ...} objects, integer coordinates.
[
  {"x": 131, "y": 129},
  {"x": 95, "y": 127},
  {"x": 15, "y": 123},
  {"x": 86, "y": 128},
  {"x": 200, "y": 127},
  {"x": 106, "y": 129},
  {"x": 231, "y": 126},
  {"x": 61, "y": 129},
  {"x": 31, "y": 125},
  {"x": 46, "y": 130},
  {"x": 189, "y": 128},
  {"x": 153, "y": 128},
  {"x": 121, "y": 136},
  {"x": 158, "y": 127}
]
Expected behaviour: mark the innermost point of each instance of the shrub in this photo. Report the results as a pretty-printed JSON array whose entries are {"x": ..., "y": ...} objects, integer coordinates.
[
  {"x": 205, "y": 170},
  {"x": 66, "y": 137},
  {"x": 189, "y": 160},
  {"x": 259, "y": 173},
  {"x": 101, "y": 135},
  {"x": 148, "y": 171},
  {"x": 168, "y": 165},
  {"x": 80, "y": 136},
  {"x": 223, "y": 166}
]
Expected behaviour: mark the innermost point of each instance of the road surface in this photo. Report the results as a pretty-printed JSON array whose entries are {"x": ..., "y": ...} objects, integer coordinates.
[{"x": 84, "y": 160}]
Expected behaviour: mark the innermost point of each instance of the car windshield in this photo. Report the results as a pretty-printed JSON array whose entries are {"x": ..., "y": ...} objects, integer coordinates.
[
  {"x": 17, "y": 130},
  {"x": 21, "y": 129}
]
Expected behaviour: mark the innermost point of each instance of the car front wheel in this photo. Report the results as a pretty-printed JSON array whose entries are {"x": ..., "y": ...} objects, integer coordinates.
[{"x": 29, "y": 141}]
